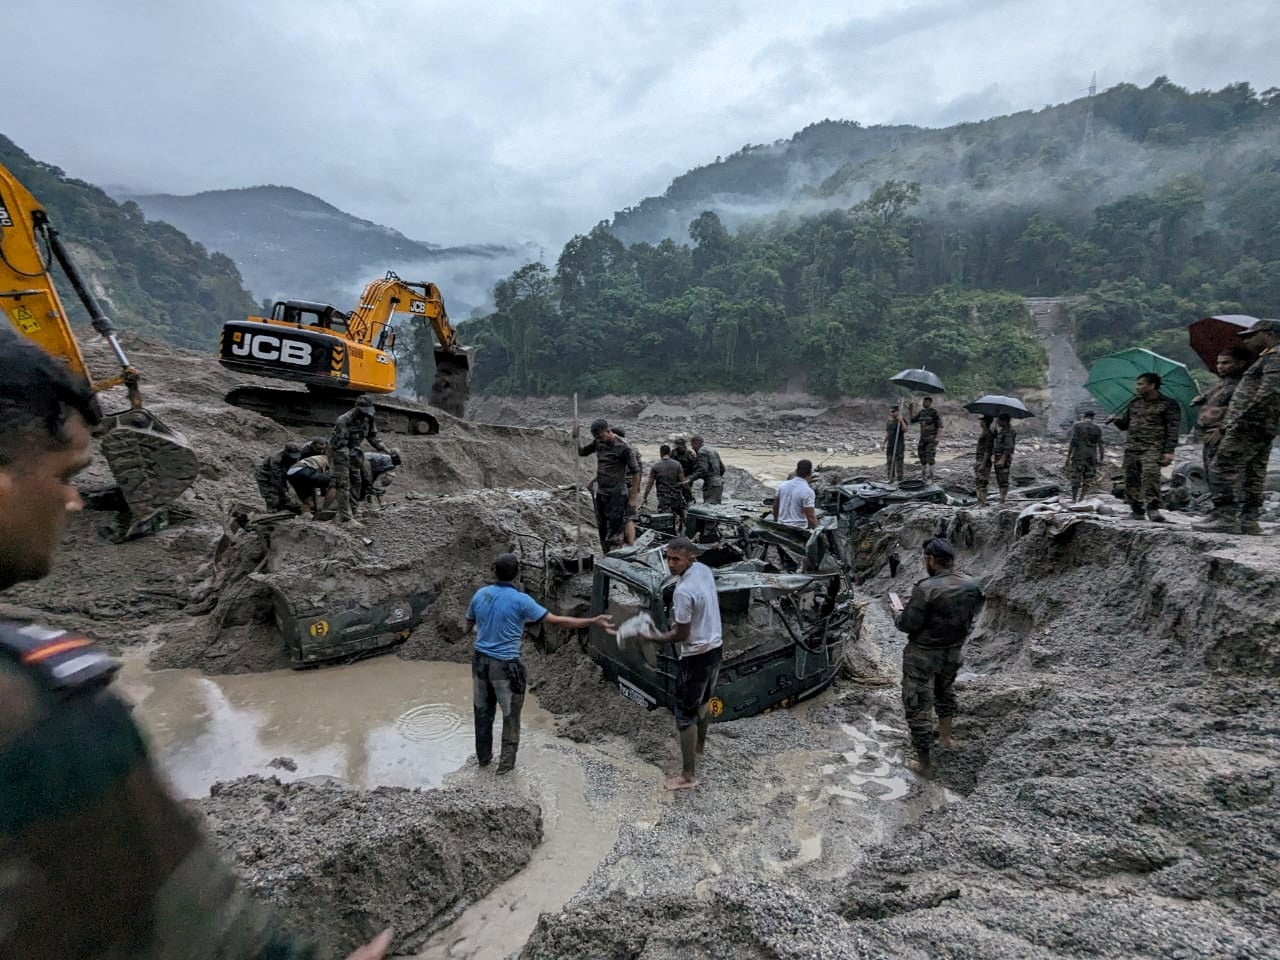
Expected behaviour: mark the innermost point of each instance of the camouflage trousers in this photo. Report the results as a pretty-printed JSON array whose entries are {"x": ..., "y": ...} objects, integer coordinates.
[
  {"x": 1082, "y": 472},
  {"x": 348, "y": 479},
  {"x": 497, "y": 684},
  {"x": 1002, "y": 477},
  {"x": 1142, "y": 478},
  {"x": 1238, "y": 473},
  {"x": 272, "y": 487},
  {"x": 928, "y": 679},
  {"x": 982, "y": 473},
  {"x": 927, "y": 451}
]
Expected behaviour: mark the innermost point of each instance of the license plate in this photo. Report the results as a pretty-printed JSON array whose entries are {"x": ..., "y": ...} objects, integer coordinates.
[{"x": 635, "y": 694}]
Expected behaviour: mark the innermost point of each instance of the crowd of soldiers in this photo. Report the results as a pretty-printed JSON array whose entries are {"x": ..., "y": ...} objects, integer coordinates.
[
  {"x": 616, "y": 486},
  {"x": 334, "y": 476}
]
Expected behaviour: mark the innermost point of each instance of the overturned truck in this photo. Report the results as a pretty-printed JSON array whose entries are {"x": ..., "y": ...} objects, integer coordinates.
[{"x": 785, "y": 624}]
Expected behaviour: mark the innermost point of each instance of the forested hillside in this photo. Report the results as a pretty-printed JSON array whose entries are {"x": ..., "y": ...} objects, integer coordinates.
[
  {"x": 1170, "y": 211},
  {"x": 156, "y": 280}
]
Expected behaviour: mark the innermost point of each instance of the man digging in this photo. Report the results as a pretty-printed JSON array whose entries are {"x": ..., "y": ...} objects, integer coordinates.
[{"x": 695, "y": 610}]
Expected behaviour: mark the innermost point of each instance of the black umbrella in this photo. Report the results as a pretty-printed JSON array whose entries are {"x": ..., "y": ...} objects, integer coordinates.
[
  {"x": 993, "y": 405},
  {"x": 919, "y": 380}
]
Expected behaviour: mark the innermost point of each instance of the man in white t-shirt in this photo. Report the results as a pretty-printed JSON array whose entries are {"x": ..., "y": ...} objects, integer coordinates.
[
  {"x": 695, "y": 612},
  {"x": 794, "y": 504}
]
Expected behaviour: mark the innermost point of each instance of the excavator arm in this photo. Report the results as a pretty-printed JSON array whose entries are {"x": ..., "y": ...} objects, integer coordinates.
[
  {"x": 152, "y": 464},
  {"x": 372, "y": 321}
]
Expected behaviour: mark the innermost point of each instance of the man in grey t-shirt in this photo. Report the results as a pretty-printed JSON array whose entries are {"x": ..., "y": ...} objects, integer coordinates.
[{"x": 695, "y": 611}]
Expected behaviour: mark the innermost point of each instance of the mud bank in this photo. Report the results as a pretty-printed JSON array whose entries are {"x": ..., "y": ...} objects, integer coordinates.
[
  {"x": 344, "y": 864},
  {"x": 1116, "y": 786}
]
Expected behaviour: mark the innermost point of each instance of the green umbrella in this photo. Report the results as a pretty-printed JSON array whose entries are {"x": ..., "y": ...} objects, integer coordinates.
[{"x": 1112, "y": 381}]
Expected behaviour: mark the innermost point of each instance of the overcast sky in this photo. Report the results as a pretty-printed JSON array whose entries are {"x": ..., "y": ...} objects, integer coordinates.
[{"x": 527, "y": 120}]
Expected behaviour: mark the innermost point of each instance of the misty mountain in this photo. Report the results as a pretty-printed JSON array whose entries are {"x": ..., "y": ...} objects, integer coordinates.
[
  {"x": 847, "y": 253},
  {"x": 290, "y": 244},
  {"x": 151, "y": 277},
  {"x": 1064, "y": 160}
]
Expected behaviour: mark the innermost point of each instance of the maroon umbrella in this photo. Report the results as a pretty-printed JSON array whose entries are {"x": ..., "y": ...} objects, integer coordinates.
[{"x": 1212, "y": 335}]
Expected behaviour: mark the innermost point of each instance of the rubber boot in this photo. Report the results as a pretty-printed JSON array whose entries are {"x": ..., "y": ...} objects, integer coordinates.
[
  {"x": 507, "y": 759},
  {"x": 944, "y": 732},
  {"x": 1075, "y": 494},
  {"x": 982, "y": 496},
  {"x": 1136, "y": 512},
  {"x": 1221, "y": 520},
  {"x": 1004, "y": 494},
  {"x": 1250, "y": 527},
  {"x": 1155, "y": 516}
]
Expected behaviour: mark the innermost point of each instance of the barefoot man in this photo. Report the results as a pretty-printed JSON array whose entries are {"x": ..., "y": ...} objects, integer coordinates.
[
  {"x": 695, "y": 610},
  {"x": 936, "y": 620}
]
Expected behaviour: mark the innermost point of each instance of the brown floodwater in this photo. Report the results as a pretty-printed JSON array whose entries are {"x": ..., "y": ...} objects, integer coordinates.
[{"x": 378, "y": 722}]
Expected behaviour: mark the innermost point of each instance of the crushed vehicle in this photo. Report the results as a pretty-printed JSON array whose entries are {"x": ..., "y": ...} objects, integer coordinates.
[{"x": 784, "y": 630}]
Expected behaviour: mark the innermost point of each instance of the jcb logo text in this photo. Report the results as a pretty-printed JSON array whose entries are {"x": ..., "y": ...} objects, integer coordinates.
[{"x": 262, "y": 346}]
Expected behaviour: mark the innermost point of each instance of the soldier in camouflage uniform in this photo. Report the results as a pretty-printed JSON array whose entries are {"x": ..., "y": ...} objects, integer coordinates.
[
  {"x": 346, "y": 454},
  {"x": 98, "y": 861},
  {"x": 1213, "y": 405},
  {"x": 1152, "y": 421},
  {"x": 688, "y": 461},
  {"x": 1084, "y": 454},
  {"x": 1239, "y": 470},
  {"x": 982, "y": 460},
  {"x": 271, "y": 476},
  {"x": 1002, "y": 453},
  {"x": 668, "y": 476},
  {"x": 895, "y": 445},
  {"x": 937, "y": 620},
  {"x": 709, "y": 469},
  {"x": 930, "y": 434}
]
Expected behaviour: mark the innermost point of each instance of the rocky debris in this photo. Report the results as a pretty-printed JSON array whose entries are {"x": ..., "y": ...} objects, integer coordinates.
[
  {"x": 786, "y": 421},
  {"x": 341, "y": 865}
]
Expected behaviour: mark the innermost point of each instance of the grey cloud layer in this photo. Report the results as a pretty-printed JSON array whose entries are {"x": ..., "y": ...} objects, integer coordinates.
[{"x": 458, "y": 122}]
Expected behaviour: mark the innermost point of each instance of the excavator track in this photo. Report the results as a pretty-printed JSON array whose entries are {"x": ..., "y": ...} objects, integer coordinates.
[{"x": 296, "y": 408}]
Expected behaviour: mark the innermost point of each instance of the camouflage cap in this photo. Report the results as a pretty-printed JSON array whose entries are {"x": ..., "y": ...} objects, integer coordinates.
[
  {"x": 364, "y": 403},
  {"x": 293, "y": 447},
  {"x": 1262, "y": 326}
]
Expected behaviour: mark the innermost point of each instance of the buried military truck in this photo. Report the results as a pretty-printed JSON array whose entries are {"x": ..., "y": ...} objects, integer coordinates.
[{"x": 784, "y": 631}]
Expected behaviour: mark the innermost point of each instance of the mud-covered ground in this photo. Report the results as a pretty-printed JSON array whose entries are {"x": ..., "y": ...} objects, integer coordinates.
[
  {"x": 1114, "y": 793},
  {"x": 343, "y": 865}
]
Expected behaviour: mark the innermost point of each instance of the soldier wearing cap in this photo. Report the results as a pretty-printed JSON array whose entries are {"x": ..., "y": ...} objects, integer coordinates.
[
  {"x": 708, "y": 468},
  {"x": 271, "y": 476},
  {"x": 936, "y": 620},
  {"x": 688, "y": 461},
  {"x": 1084, "y": 454},
  {"x": 1239, "y": 470},
  {"x": 617, "y": 481},
  {"x": 346, "y": 454}
]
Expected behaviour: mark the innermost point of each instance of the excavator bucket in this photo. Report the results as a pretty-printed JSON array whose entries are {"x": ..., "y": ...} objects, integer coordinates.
[
  {"x": 452, "y": 385},
  {"x": 152, "y": 464}
]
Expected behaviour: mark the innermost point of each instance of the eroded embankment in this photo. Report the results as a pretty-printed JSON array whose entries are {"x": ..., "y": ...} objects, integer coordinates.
[
  {"x": 341, "y": 865},
  {"x": 1118, "y": 764}
]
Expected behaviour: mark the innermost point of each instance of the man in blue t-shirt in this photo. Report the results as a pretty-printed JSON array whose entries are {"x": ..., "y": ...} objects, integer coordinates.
[{"x": 498, "y": 613}]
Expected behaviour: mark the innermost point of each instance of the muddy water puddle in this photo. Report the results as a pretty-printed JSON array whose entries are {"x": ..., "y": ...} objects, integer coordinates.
[
  {"x": 397, "y": 723},
  {"x": 380, "y": 722}
]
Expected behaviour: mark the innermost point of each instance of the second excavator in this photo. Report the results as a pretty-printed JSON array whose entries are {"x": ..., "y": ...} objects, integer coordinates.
[
  {"x": 152, "y": 464},
  {"x": 337, "y": 356}
]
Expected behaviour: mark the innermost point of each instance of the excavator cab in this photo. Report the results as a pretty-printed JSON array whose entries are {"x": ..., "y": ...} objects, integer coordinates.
[{"x": 152, "y": 464}]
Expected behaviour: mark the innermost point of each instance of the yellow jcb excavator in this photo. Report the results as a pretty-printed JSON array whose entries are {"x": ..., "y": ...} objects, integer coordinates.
[
  {"x": 152, "y": 464},
  {"x": 339, "y": 356}
]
